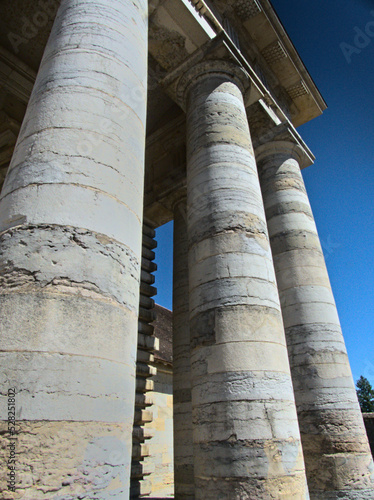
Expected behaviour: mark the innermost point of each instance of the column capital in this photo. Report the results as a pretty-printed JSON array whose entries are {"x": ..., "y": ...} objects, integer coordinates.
[
  {"x": 283, "y": 148},
  {"x": 207, "y": 69}
]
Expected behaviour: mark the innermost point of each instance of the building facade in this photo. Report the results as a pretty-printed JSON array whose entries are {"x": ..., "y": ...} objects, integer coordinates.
[{"x": 118, "y": 116}]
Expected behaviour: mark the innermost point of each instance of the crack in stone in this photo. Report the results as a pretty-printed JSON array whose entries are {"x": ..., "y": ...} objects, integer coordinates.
[{"x": 16, "y": 276}]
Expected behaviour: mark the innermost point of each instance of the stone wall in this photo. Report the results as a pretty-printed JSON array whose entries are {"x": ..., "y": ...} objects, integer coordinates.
[
  {"x": 161, "y": 444},
  {"x": 160, "y": 457}
]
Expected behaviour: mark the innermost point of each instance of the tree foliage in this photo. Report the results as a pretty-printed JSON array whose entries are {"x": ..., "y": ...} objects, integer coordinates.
[{"x": 365, "y": 394}]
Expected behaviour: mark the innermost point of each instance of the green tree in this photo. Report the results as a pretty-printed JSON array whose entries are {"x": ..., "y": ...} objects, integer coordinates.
[{"x": 365, "y": 394}]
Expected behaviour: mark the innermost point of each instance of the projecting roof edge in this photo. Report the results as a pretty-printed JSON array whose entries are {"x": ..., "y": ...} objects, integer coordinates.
[{"x": 282, "y": 34}]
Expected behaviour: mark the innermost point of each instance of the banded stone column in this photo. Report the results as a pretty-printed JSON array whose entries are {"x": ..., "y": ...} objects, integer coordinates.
[
  {"x": 337, "y": 456},
  {"x": 71, "y": 225},
  {"x": 246, "y": 436},
  {"x": 183, "y": 443}
]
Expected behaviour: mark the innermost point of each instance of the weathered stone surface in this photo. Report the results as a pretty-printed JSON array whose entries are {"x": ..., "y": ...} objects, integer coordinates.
[
  {"x": 337, "y": 456},
  {"x": 182, "y": 408},
  {"x": 70, "y": 260},
  {"x": 245, "y": 432},
  {"x": 77, "y": 181},
  {"x": 161, "y": 444},
  {"x": 70, "y": 233},
  {"x": 65, "y": 460},
  {"x": 248, "y": 489}
]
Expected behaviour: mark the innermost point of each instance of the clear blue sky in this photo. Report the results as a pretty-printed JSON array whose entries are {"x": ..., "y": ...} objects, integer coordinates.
[{"x": 341, "y": 182}]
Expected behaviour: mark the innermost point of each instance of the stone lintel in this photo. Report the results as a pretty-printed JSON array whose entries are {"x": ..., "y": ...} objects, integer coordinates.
[
  {"x": 191, "y": 24},
  {"x": 15, "y": 76},
  {"x": 221, "y": 48}
]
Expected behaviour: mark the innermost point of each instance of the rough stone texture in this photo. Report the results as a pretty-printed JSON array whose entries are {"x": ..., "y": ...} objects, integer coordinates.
[
  {"x": 163, "y": 330},
  {"x": 246, "y": 436},
  {"x": 80, "y": 459},
  {"x": 160, "y": 459},
  {"x": 70, "y": 230},
  {"x": 183, "y": 441},
  {"x": 337, "y": 456},
  {"x": 161, "y": 444}
]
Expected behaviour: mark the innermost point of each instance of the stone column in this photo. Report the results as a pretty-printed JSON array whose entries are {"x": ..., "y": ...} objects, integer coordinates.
[
  {"x": 246, "y": 436},
  {"x": 183, "y": 449},
  {"x": 337, "y": 455},
  {"x": 71, "y": 226}
]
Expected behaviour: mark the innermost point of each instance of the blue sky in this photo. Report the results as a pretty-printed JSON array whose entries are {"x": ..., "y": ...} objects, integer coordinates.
[{"x": 341, "y": 182}]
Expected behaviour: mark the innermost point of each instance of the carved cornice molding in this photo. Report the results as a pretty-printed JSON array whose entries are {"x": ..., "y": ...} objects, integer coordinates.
[{"x": 247, "y": 9}]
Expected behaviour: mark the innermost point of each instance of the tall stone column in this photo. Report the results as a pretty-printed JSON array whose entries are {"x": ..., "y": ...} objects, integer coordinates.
[
  {"x": 246, "y": 436},
  {"x": 183, "y": 444},
  {"x": 71, "y": 226},
  {"x": 337, "y": 455}
]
